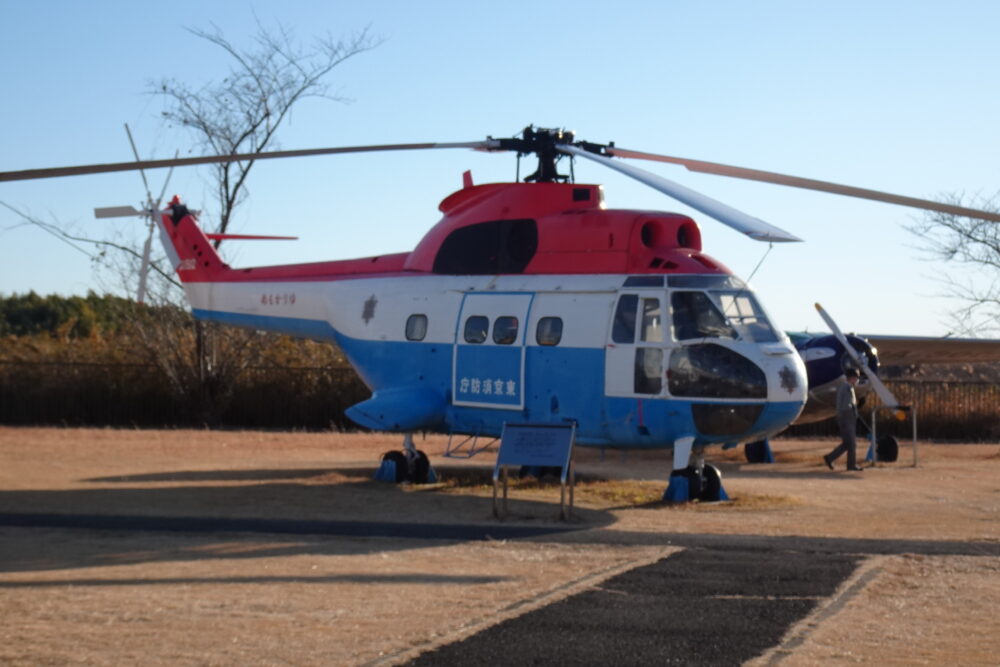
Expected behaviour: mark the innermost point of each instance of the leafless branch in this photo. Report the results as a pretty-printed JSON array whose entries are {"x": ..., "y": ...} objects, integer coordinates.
[{"x": 972, "y": 244}]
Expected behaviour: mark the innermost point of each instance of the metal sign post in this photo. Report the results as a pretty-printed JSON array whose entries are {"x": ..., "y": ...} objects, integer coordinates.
[
  {"x": 536, "y": 445},
  {"x": 911, "y": 410}
]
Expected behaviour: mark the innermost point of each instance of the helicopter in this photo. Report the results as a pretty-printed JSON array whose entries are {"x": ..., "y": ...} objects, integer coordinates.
[{"x": 530, "y": 302}]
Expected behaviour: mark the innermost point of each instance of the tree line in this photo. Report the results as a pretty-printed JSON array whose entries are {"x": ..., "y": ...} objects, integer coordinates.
[
  {"x": 66, "y": 317},
  {"x": 103, "y": 360}
]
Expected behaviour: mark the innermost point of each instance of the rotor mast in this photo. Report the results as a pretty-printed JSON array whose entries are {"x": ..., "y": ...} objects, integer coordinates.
[{"x": 543, "y": 143}]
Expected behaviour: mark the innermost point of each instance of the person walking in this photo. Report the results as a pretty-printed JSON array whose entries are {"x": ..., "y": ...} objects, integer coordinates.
[{"x": 847, "y": 420}]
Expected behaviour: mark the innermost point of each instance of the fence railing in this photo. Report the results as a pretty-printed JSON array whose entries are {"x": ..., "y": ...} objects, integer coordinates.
[
  {"x": 82, "y": 394},
  {"x": 968, "y": 411},
  {"x": 137, "y": 395}
]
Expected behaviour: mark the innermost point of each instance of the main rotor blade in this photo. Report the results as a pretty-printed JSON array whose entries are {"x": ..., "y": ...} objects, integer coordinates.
[
  {"x": 753, "y": 227},
  {"x": 806, "y": 183},
  {"x": 54, "y": 172}
]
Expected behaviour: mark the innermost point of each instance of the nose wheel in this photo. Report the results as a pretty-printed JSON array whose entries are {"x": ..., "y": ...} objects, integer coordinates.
[
  {"x": 689, "y": 485},
  {"x": 695, "y": 480},
  {"x": 408, "y": 465}
]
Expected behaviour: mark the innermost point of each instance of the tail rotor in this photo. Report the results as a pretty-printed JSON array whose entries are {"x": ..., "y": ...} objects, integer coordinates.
[{"x": 149, "y": 213}]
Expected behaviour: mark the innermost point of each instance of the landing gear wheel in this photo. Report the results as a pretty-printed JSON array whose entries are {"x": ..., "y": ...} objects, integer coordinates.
[
  {"x": 421, "y": 467},
  {"x": 887, "y": 448},
  {"x": 706, "y": 487},
  {"x": 711, "y": 484}
]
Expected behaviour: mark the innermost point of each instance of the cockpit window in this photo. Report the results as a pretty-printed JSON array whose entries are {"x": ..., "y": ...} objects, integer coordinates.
[
  {"x": 652, "y": 322},
  {"x": 702, "y": 281},
  {"x": 745, "y": 314},
  {"x": 696, "y": 316},
  {"x": 623, "y": 329}
]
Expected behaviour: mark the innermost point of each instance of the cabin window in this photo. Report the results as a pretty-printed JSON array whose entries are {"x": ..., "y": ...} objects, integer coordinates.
[
  {"x": 416, "y": 327},
  {"x": 476, "y": 328},
  {"x": 713, "y": 371},
  {"x": 696, "y": 316},
  {"x": 652, "y": 322},
  {"x": 623, "y": 328},
  {"x": 486, "y": 248},
  {"x": 549, "y": 331},
  {"x": 505, "y": 330},
  {"x": 648, "y": 369}
]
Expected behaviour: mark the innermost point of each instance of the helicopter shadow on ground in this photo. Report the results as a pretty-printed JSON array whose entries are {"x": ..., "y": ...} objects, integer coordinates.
[
  {"x": 732, "y": 470},
  {"x": 196, "y": 515},
  {"x": 253, "y": 475},
  {"x": 36, "y": 550}
]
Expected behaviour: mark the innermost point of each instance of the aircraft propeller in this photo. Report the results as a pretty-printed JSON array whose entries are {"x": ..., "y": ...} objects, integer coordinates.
[{"x": 886, "y": 396}]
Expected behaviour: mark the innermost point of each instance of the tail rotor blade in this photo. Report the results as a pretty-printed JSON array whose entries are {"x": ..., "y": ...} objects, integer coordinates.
[
  {"x": 147, "y": 249},
  {"x": 166, "y": 182},
  {"x": 142, "y": 172}
]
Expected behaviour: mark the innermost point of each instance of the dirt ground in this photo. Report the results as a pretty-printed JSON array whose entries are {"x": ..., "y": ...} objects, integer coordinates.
[{"x": 81, "y": 596}]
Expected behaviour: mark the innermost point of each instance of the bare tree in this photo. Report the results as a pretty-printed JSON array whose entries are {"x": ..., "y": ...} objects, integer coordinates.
[
  {"x": 239, "y": 114},
  {"x": 973, "y": 247},
  {"x": 112, "y": 253},
  {"x": 242, "y": 113}
]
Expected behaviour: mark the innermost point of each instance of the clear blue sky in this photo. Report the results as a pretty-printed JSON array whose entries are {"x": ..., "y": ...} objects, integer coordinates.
[{"x": 897, "y": 96}]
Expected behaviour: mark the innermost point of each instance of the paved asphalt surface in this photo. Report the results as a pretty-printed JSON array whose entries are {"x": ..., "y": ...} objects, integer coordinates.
[
  {"x": 722, "y": 600},
  {"x": 697, "y": 607}
]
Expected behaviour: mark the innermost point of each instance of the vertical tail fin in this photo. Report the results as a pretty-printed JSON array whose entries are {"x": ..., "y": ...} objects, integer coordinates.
[{"x": 194, "y": 258}]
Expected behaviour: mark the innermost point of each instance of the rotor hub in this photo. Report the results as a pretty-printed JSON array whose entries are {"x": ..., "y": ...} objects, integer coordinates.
[{"x": 543, "y": 143}]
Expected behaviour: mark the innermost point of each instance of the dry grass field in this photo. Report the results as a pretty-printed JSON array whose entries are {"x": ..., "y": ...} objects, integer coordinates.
[{"x": 162, "y": 597}]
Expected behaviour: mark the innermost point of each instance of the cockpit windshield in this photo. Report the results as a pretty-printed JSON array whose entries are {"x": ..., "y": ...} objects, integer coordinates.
[
  {"x": 696, "y": 316},
  {"x": 744, "y": 313},
  {"x": 720, "y": 313}
]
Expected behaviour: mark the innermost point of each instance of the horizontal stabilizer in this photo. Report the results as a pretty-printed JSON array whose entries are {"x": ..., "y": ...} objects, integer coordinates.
[
  {"x": 117, "y": 212},
  {"x": 249, "y": 237},
  {"x": 400, "y": 409}
]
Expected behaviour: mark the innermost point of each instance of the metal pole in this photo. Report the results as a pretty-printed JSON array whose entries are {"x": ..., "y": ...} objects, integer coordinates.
[
  {"x": 914, "y": 436},
  {"x": 505, "y": 491},
  {"x": 874, "y": 439},
  {"x": 562, "y": 500},
  {"x": 496, "y": 489}
]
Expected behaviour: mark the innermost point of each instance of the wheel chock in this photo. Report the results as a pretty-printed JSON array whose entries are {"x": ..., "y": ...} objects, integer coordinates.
[
  {"x": 386, "y": 472},
  {"x": 678, "y": 490}
]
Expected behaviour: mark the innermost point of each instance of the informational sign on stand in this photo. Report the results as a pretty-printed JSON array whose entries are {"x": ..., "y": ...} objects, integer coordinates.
[{"x": 536, "y": 446}]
